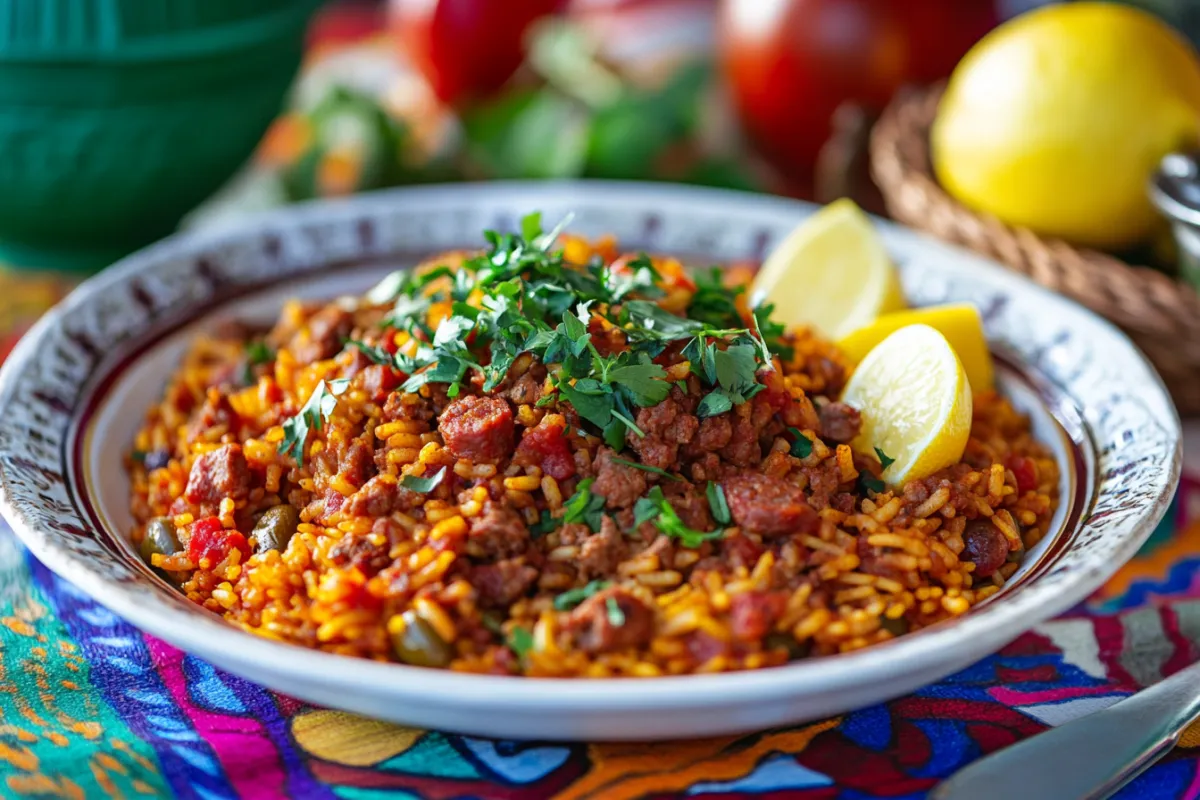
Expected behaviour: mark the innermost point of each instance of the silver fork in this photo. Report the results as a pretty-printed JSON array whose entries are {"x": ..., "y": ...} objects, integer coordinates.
[{"x": 1088, "y": 758}]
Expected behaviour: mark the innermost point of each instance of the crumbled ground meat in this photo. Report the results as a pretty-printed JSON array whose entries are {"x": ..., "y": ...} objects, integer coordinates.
[
  {"x": 501, "y": 583},
  {"x": 478, "y": 428},
  {"x": 691, "y": 504},
  {"x": 985, "y": 545},
  {"x": 214, "y": 419},
  {"x": 218, "y": 474},
  {"x": 397, "y": 409},
  {"x": 527, "y": 389},
  {"x": 322, "y": 337},
  {"x": 601, "y": 552},
  {"x": 595, "y": 626},
  {"x": 768, "y": 506},
  {"x": 839, "y": 422},
  {"x": 498, "y": 532},
  {"x": 361, "y": 552},
  {"x": 379, "y": 497},
  {"x": 713, "y": 434},
  {"x": 619, "y": 485},
  {"x": 740, "y": 550},
  {"x": 667, "y": 426},
  {"x": 356, "y": 461}
]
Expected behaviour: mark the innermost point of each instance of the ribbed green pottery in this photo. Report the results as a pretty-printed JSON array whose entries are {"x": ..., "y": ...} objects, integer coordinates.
[{"x": 117, "y": 117}]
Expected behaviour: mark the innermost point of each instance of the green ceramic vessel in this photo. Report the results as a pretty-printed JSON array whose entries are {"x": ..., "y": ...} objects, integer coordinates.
[{"x": 117, "y": 117}]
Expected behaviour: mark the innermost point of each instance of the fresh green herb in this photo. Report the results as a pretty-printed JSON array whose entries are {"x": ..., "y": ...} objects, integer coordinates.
[
  {"x": 312, "y": 415},
  {"x": 257, "y": 353},
  {"x": 884, "y": 459},
  {"x": 520, "y": 641},
  {"x": 492, "y": 622},
  {"x": 656, "y": 508},
  {"x": 647, "y": 468},
  {"x": 569, "y": 599},
  {"x": 869, "y": 482},
  {"x": 139, "y": 456},
  {"x": 801, "y": 445},
  {"x": 424, "y": 485},
  {"x": 534, "y": 302},
  {"x": 545, "y": 524},
  {"x": 584, "y": 506},
  {"x": 616, "y": 617},
  {"x": 374, "y": 354},
  {"x": 718, "y": 504}
]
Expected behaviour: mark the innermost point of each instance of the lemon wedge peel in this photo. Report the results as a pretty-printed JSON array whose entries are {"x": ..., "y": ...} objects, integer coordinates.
[
  {"x": 915, "y": 401},
  {"x": 831, "y": 273},
  {"x": 960, "y": 323}
]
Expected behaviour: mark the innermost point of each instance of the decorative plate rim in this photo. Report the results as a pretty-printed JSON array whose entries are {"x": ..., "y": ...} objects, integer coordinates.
[{"x": 993, "y": 622}]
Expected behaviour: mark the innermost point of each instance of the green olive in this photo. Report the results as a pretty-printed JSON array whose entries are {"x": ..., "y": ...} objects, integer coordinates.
[
  {"x": 420, "y": 644},
  {"x": 896, "y": 627},
  {"x": 795, "y": 650},
  {"x": 275, "y": 528},
  {"x": 161, "y": 537}
]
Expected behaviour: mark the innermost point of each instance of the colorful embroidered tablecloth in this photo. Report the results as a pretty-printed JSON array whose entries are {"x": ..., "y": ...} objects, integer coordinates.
[{"x": 92, "y": 708}]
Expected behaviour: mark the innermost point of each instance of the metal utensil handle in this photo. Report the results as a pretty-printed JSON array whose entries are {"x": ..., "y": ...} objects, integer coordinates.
[{"x": 1088, "y": 758}]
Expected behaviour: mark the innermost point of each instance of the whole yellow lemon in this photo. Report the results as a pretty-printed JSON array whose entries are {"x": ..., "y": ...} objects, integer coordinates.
[{"x": 1056, "y": 120}]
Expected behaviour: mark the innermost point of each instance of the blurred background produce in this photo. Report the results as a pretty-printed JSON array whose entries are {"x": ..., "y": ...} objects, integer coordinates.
[{"x": 762, "y": 95}]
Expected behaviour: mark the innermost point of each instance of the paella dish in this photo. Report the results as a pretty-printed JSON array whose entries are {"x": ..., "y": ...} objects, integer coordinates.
[{"x": 551, "y": 458}]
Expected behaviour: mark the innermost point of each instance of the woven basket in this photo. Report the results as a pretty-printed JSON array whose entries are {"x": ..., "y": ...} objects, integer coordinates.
[{"x": 1161, "y": 315}]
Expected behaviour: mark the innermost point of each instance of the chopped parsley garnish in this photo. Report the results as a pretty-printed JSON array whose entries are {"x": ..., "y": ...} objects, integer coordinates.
[
  {"x": 139, "y": 456},
  {"x": 520, "y": 641},
  {"x": 647, "y": 468},
  {"x": 884, "y": 459},
  {"x": 545, "y": 524},
  {"x": 374, "y": 354},
  {"x": 532, "y": 301},
  {"x": 616, "y": 617},
  {"x": 657, "y": 509},
  {"x": 424, "y": 485},
  {"x": 718, "y": 504},
  {"x": 315, "y": 412},
  {"x": 257, "y": 353},
  {"x": 870, "y": 483},
  {"x": 801, "y": 446},
  {"x": 584, "y": 506},
  {"x": 569, "y": 599}
]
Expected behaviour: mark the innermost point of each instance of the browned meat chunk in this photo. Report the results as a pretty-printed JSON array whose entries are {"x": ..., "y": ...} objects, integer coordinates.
[
  {"x": 218, "y": 474},
  {"x": 501, "y": 583},
  {"x": 359, "y": 551},
  {"x": 599, "y": 553},
  {"x": 839, "y": 422},
  {"x": 752, "y": 614},
  {"x": 713, "y": 434},
  {"x": 379, "y": 497},
  {"x": 667, "y": 426},
  {"x": 768, "y": 506},
  {"x": 612, "y": 619},
  {"x": 691, "y": 504},
  {"x": 985, "y": 546},
  {"x": 396, "y": 408},
  {"x": 214, "y": 419},
  {"x": 527, "y": 389},
  {"x": 378, "y": 380},
  {"x": 322, "y": 337},
  {"x": 499, "y": 532},
  {"x": 618, "y": 484},
  {"x": 478, "y": 428},
  {"x": 356, "y": 461}
]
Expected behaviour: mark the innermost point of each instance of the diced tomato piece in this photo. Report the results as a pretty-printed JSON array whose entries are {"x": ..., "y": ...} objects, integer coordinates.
[
  {"x": 1025, "y": 471},
  {"x": 209, "y": 540},
  {"x": 546, "y": 446}
]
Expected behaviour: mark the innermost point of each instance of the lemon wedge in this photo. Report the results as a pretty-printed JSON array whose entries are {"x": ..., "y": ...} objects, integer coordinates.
[
  {"x": 915, "y": 401},
  {"x": 832, "y": 273},
  {"x": 960, "y": 323}
]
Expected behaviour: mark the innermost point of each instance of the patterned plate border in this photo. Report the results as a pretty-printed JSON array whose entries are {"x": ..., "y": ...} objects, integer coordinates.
[{"x": 1104, "y": 388}]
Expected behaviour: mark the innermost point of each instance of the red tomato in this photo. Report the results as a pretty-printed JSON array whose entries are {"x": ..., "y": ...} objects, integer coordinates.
[
  {"x": 1025, "y": 471},
  {"x": 466, "y": 49},
  {"x": 211, "y": 541},
  {"x": 791, "y": 63}
]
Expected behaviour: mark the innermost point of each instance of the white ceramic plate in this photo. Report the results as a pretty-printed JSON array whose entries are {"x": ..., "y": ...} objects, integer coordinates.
[{"x": 75, "y": 389}]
